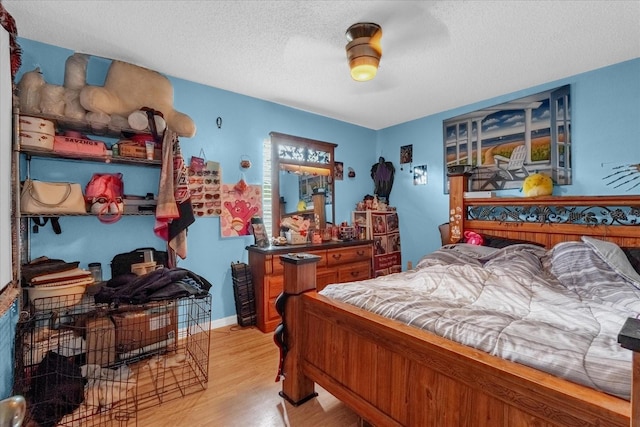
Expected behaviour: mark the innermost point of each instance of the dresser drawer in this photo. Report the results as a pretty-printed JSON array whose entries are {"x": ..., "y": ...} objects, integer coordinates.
[
  {"x": 348, "y": 255},
  {"x": 274, "y": 284},
  {"x": 278, "y": 267},
  {"x": 326, "y": 277},
  {"x": 353, "y": 272}
]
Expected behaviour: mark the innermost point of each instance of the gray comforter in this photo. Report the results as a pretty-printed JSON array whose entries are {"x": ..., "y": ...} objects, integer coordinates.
[{"x": 558, "y": 310}]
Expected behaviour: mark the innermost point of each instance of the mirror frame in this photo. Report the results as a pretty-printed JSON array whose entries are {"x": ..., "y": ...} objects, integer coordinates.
[{"x": 278, "y": 139}]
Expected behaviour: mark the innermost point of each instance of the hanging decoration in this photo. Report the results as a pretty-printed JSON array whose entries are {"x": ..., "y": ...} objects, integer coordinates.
[
  {"x": 205, "y": 186},
  {"x": 338, "y": 171},
  {"x": 238, "y": 208},
  {"x": 624, "y": 175},
  {"x": 245, "y": 164},
  {"x": 420, "y": 175},
  {"x": 15, "y": 51},
  {"x": 406, "y": 156},
  {"x": 382, "y": 174}
]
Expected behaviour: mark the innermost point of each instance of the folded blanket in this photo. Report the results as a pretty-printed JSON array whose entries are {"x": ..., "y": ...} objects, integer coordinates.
[{"x": 159, "y": 285}]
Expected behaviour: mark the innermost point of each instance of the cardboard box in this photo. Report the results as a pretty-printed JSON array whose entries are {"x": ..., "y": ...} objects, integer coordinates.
[
  {"x": 101, "y": 341},
  {"x": 143, "y": 331}
]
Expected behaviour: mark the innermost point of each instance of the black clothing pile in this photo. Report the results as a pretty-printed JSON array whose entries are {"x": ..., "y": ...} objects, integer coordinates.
[
  {"x": 57, "y": 389},
  {"x": 159, "y": 285}
]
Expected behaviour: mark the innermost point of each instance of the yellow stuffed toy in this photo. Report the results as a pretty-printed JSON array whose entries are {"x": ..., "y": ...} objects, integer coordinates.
[{"x": 537, "y": 184}]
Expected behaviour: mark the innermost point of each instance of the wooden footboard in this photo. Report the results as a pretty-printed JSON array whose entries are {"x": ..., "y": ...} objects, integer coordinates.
[{"x": 396, "y": 375}]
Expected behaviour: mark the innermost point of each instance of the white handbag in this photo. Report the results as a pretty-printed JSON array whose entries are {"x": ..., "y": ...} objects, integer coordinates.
[{"x": 41, "y": 197}]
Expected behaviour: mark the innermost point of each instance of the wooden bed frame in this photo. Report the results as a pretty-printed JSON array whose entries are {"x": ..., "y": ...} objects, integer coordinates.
[{"x": 395, "y": 375}]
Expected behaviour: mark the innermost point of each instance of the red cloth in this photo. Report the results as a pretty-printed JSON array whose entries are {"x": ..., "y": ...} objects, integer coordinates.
[{"x": 174, "y": 213}]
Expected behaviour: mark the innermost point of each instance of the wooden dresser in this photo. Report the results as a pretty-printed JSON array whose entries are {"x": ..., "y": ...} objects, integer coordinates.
[{"x": 340, "y": 262}]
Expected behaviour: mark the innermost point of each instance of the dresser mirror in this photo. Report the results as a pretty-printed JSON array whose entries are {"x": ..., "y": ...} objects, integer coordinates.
[{"x": 302, "y": 179}]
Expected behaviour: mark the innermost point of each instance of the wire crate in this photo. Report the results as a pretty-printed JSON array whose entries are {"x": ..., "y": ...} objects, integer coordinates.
[
  {"x": 244, "y": 294},
  {"x": 98, "y": 365}
]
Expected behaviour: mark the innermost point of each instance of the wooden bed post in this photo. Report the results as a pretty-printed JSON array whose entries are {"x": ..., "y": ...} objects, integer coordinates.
[
  {"x": 458, "y": 185},
  {"x": 629, "y": 338},
  {"x": 299, "y": 277}
]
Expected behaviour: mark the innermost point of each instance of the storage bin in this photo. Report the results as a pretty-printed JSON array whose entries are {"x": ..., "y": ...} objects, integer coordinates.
[
  {"x": 36, "y": 140},
  {"x": 295, "y": 238}
]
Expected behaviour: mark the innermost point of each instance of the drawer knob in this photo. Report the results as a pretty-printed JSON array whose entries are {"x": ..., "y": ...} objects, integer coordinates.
[
  {"x": 337, "y": 256},
  {"x": 355, "y": 273},
  {"x": 360, "y": 253}
]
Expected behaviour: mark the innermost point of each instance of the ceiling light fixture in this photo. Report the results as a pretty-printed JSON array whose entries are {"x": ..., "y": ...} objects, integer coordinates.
[{"x": 364, "y": 50}]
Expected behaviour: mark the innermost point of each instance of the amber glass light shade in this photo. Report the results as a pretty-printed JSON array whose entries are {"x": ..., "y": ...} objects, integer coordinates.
[{"x": 363, "y": 50}]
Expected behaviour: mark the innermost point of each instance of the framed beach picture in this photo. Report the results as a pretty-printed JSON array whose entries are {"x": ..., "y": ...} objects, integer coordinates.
[{"x": 508, "y": 142}]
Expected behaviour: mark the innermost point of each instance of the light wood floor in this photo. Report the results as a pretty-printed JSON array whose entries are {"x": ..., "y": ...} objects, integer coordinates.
[{"x": 242, "y": 391}]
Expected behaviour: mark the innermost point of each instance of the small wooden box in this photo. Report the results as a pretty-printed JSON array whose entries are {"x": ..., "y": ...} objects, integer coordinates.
[{"x": 132, "y": 149}]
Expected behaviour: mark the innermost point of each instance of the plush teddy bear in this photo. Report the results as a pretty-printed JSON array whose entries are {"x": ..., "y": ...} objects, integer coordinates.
[
  {"x": 128, "y": 88},
  {"x": 537, "y": 184},
  {"x": 29, "y": 89},
  {"x": 75, "y": 72}
]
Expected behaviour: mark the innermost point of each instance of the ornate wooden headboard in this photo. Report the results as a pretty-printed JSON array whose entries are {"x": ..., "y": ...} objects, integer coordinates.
[{"x": 545, "y": 220}]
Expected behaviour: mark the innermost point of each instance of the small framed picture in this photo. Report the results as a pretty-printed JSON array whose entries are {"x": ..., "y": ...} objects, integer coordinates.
[{"x": 338, "y": 172}]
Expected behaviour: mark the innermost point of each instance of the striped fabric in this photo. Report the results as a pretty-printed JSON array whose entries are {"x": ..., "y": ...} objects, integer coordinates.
[{"x": 559, "y": 310}]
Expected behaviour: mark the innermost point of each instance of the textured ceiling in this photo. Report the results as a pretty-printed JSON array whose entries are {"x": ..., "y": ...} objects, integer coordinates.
[{"x": 437, "y": 55}]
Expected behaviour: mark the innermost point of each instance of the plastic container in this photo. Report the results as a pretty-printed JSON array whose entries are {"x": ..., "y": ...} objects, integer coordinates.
[
  {"x": 295, "y": 238},
  {"x": 96, "y": 271},
  {"x": 47, "y": 298}
]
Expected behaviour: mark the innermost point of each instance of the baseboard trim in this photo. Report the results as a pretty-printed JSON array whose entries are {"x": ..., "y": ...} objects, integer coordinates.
[{"x": 225, "y": 321}]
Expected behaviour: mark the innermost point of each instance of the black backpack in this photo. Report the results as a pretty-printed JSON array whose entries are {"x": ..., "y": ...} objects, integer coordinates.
[{"x": 121, "y": 263}]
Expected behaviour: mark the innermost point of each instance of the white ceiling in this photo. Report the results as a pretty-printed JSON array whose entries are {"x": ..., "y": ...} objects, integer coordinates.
[{"x": 436, "y": 55}]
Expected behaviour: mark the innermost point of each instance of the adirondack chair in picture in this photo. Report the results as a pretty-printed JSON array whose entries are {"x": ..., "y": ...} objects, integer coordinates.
[{"x": 508, "y": 168}]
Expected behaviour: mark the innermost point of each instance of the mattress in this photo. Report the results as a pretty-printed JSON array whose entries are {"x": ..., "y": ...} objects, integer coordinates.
[{"x": 557, "y": 310}]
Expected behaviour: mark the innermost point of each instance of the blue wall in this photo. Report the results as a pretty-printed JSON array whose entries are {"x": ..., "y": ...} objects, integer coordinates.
[
  {"x": 8, "y": 323},
  {"x": 605, "y": 116}
]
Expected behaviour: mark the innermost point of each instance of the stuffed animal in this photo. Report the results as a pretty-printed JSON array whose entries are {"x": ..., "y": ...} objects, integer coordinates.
[
  {"x": 537, "y": 184},
  {"x": 473, "y": 238},
  {"x": 29, "y": 89},
  {"x": 128, "y": 88},
  {"x": 75, "y": 72}
]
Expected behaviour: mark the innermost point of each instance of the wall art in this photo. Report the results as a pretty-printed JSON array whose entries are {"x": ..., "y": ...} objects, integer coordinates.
[
  {"x": 238, "y": 208},
  {"x": 507, "y": 142},
  {"x": 338, "y": 172},
  {"x": 420, "y": 175}
]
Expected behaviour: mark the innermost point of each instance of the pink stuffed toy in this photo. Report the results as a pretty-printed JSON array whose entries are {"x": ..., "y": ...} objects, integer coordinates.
[{"x": 473, "y": 238}]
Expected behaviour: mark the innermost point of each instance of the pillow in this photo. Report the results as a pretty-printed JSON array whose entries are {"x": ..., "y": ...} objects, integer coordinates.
[
  {"x": 503, "y": 242},
  {"x": 473, "y": 251},
  {"x": 615, "y": 258},
  {"x": 633, "y": 255}
]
